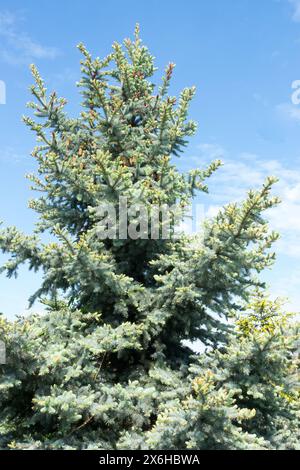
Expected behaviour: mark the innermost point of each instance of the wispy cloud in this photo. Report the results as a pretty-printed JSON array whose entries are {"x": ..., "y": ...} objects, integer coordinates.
[
  {"x": 232, "y": 181},
  {"x": 296, "y": 10},
  {"x": 288, "y": 111},
  {"x": 17, "y": 46},
  {"x": 247, "y": 171},
  {"x": 9, "y": 156}
]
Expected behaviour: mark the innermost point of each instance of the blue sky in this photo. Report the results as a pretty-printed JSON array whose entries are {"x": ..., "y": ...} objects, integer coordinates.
[{"x": 242, "y": 55}]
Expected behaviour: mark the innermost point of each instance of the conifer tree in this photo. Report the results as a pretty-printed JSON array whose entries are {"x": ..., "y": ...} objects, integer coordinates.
[
  {"x": 106, "y": 366},
  {"x": 243, "y": 395}
]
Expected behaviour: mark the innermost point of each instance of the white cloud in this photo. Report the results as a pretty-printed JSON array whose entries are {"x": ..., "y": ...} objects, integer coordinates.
[
  {"x": 212, "y": 210},
  {"x": 287, "y": 286},
  {"x": 17, "y": 46},
  {"x": 232, "y": 181},
  {"x": 9, "y": 155},
  {"x": 288, "y": 111},
  {"x": 296, "y": 9},
  {"x": 211, "y": 151}
]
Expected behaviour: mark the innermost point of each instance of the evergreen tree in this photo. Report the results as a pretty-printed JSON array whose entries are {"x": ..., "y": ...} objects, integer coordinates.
[
  {"x": 107, "y": 366},
  {"x": 243, "y": 395}
]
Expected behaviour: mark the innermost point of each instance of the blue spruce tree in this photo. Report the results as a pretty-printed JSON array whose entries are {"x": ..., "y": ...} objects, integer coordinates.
[{"x": 107, "y": 365}]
